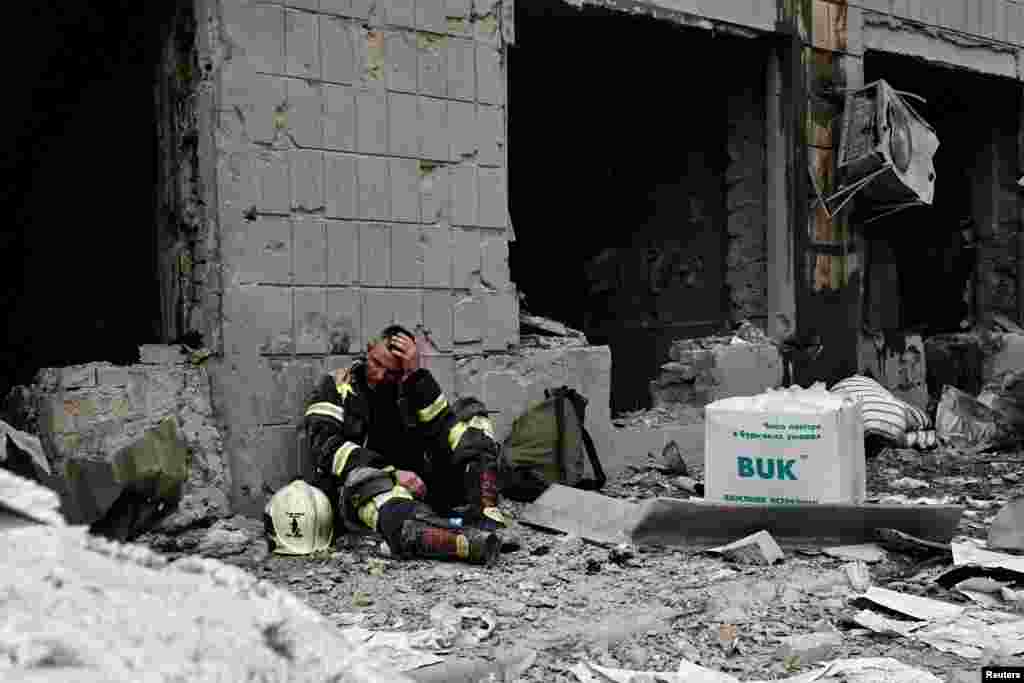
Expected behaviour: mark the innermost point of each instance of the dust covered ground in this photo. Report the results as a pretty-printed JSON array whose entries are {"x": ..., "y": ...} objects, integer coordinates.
[{"x": 569, "y": 599}]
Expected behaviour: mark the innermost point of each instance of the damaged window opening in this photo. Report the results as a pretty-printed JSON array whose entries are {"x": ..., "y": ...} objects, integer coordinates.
[
  {"x": 83, "y": 169},
  {"x": 923, "y": 263},
  {"x": 639, "y": 212}
]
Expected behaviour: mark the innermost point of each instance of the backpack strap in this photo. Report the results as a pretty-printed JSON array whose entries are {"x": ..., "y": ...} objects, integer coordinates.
[
  {"x": 560, "y": 422},
  {"x": 599, "y": 480},
  {"x": 579, "y": 404}
]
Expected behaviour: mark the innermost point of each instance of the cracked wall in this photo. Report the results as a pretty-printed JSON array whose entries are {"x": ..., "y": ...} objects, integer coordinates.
[
  {"x": 360, "y": 174},
  {"x": 185, "y": 240}
]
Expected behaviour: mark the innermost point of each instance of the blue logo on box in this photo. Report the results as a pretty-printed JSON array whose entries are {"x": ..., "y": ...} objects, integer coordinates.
[{"x": 765, "y": 468}]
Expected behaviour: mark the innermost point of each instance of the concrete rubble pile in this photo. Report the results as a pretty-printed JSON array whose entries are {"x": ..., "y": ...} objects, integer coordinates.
[
  {"x": 130, "y": 446},
  {"x": 82, "y": 608}
]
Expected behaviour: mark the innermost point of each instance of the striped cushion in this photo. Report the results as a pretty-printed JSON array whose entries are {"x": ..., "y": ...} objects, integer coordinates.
[{"x": 884, "y": 414}]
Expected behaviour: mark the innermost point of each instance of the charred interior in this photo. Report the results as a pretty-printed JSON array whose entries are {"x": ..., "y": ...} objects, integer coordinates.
[
  {"x": 629, "y": 140},
  {"x": 80, "y": 186},
  {"x": 924, "y": 262}
]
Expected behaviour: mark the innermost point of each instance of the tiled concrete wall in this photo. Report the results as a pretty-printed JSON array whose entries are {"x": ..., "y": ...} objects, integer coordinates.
[
  {"x": 361, "y": 181},
  {"x": 1001, "y": 20}
]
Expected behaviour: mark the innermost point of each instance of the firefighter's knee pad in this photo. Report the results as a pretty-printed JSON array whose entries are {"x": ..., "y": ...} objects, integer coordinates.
[{"x": 366, "y": 490}]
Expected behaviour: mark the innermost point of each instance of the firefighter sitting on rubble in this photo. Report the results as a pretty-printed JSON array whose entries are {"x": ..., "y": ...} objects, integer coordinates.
[{"x": 395, "y": 458}]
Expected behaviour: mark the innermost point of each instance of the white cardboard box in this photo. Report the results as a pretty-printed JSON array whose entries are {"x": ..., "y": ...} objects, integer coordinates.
[{"x": 783, "y": 447}]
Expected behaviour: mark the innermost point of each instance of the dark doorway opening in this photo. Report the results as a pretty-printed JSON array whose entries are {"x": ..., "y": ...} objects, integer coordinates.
[
  {"x": 618, "y": 136},
  {"x": 921, "y": 262},
  {"x": 79, "y": 177}
]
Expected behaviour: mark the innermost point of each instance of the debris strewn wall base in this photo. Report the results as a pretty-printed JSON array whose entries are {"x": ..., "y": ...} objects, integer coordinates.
[{"x": 89, "y": 413}]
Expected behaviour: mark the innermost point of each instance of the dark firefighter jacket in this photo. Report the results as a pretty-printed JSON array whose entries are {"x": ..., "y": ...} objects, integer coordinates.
[{"x": 405, "y": 426}]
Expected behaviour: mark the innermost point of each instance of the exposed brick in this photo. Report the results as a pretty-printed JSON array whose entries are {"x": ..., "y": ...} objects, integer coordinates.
[
  {"x": 437, "y": 256},
  {"x": 433, "y": 133},
  {"x": 438, "y": 318},
  {"x": 402, "y": 64},
  {"x": 406, "y": 256},
  {"x": 251, "y": 100},
  {"x": 305, "y": 113},
  {"x": 490, "y": 128},
  {"x": 257, "y": 31},
  {"x": 461, "y": 75},
  {"x": 490, "y": 79},
  {"x": 501, "y": 331},
  {"x": 307, "y": 178},
  {"x": 435, "y": 192},
  {"x": 405, "y": 191},
  {"x": 301, "y": 44},
  {"x": 344, "y": 321},
  {"x": 371, "y": 122},
  {"x": 492, "y": 197},
  {"x": 340, "y": 185},
  {"x": 78, "y": 376},
  {"x": 310, "y": 255},
  {"x": 470, "y": 318},
  {"x": 374, "y": 188},
  {"x": 430, "y": 16},
  {"x": 495, "y": 270},
  {"x": 462, "y": 130},
  {"x": 274, "y": 318},
  {"x": 339, "y": 118},
  {"x": 311, "y": 334},
  {"x": 432, "y": 74},
  {"x": 114, "y": 376},
  {"x": 404, "y": 124},
  {"x": 463, "y": 195},
  {"x": 401, "y": 13},
  {"x": 337, "y": 49},
  {"x": 386, "y": 307},
  {"x": 262, "y": 252},
  {"x": 375, "y": 254},
  {"x": 274, "y": 182},
  {"x": 467, "y": 257},
  {"x": 342, "y": 252}
]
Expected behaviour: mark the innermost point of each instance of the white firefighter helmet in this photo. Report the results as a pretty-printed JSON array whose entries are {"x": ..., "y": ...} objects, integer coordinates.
[{"x": 299, "y": 520}]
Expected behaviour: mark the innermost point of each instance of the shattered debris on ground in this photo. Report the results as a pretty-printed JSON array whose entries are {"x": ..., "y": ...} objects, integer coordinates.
[{"x": 581, "y": 607}]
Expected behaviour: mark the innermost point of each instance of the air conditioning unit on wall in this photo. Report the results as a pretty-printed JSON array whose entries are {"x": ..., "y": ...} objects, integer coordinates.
[{"x": 886, "y": 150}]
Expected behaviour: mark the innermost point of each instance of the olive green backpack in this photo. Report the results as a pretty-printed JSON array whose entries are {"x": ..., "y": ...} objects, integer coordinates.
[{"x": 548, "y": 445}]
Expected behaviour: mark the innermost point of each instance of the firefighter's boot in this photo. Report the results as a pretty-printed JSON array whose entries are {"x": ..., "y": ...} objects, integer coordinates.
[{"x": 426, "y": 541}]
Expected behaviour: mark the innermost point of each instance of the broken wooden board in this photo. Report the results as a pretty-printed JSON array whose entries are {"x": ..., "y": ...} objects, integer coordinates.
[
  {"x": 676, "y": 522},
  {"x": 586, "y": 514}
]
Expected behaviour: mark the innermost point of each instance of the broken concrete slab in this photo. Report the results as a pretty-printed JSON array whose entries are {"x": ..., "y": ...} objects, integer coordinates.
[
  {"x": 810, "y": 648},
  {"x": 847, "y": 670},
  {"x": 1007, "y": 529},
  {"x": 923, "y": 609},
  {"x": 586, "y": 514},
  {"x": 83, "y": 426},
  {"x": 188, "y": 620},
  {"x": 675, "y": 522},
  {"x": 869, "y": 553},
  {"x": 758, "y": 548}
]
